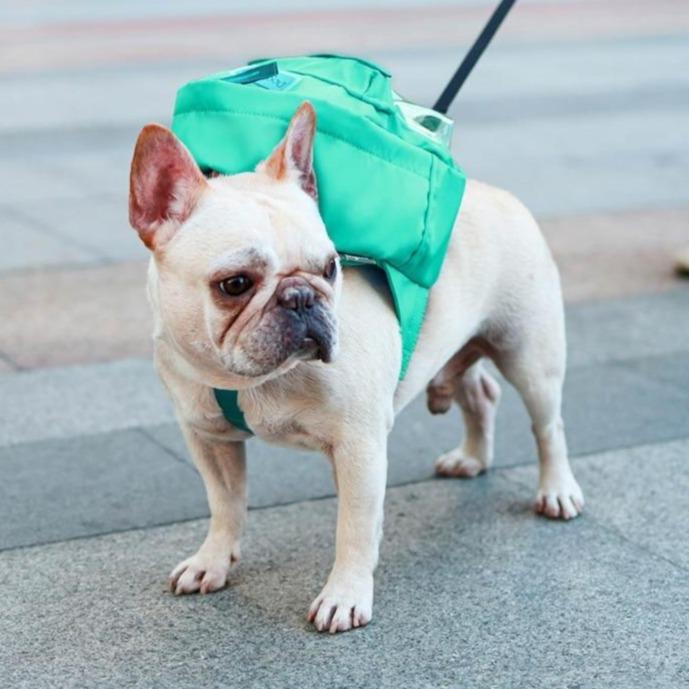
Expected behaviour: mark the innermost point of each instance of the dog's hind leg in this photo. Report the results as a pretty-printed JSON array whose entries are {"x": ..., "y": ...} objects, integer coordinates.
[
  {"x": 535, "y": 365},
  {"x": 477, "y": 393}
]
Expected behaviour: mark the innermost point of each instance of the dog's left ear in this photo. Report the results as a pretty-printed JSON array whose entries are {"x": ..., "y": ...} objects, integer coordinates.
[{"x": 294, "y": 154}]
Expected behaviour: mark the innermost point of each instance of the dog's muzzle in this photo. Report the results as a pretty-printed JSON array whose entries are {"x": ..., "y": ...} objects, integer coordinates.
[{"x": 308, "y": 320}]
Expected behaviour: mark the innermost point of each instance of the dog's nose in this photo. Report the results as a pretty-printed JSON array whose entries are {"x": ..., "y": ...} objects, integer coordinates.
[{"x": 296, "y": 297}]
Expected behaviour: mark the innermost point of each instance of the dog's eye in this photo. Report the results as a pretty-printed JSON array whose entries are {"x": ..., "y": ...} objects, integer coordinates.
[
  {"x": 330, "y": 269},
  {"x": 234, "y": 286}
]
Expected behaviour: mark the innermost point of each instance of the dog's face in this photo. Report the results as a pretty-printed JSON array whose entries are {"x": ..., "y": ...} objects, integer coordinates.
[{"x": 245, "y": 279}]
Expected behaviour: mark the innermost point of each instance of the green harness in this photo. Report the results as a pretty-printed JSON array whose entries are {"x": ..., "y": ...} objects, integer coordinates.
[{"x": 389, "y": 193}]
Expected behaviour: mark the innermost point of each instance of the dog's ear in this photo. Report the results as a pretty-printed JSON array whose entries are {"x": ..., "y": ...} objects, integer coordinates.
[
  {"x": 165, "y": 184},
  {"x": 294, "y": 154}
]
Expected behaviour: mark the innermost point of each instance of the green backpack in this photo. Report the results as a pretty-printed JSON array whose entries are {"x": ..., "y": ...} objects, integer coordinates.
[{"x": 395, "y": 192}]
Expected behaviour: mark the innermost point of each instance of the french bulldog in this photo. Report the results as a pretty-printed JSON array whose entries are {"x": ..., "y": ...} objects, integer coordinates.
[{"x": 248, "y": 294}]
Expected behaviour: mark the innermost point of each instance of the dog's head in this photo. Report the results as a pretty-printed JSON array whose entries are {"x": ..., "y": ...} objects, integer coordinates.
[{"x": 245, "y": 279}]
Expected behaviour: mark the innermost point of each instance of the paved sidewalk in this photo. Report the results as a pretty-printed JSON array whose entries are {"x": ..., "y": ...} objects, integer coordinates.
[
  {"x": 472, "y": 591},
  {"x": 579, "y": 107}
]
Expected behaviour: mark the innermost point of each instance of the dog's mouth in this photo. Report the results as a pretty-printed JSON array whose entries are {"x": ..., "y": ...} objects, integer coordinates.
[
  {"x": 319, "y": 336},
  {"x": 315, "y": 348}
]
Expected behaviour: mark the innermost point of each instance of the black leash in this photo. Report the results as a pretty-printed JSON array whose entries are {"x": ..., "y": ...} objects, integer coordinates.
[{"x": 472, "y": 57}]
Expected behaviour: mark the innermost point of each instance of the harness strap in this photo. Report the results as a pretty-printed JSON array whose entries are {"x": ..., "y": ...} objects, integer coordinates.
[{"x": 228, "y": 400}]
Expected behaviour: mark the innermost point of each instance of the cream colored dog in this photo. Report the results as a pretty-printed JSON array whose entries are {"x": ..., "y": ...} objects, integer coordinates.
[{"x": 248, "y": 294}]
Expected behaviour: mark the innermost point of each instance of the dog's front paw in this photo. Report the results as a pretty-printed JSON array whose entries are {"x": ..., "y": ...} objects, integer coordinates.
[
  {"x": 456, "y": 464},
  {"x": 204, "y": 572},
  {"x": 343, "y": 604},
  {"x": 559, "y": 498}
]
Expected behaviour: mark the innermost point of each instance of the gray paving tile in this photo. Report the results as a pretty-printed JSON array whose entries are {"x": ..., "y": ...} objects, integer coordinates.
[
  {"x": 63, "y": 489},
  {"x": 640, "y": 493},
  {"x": 630, "y": 328},
  {"x": 80, "y": 400},
  {"x": 98, "y": 223},
  {"x": 27, "y": 247},
  {"x": 672, "y": 369},
  {"x": 607, "y": 407},
  {"x": 472, "y": 591}
]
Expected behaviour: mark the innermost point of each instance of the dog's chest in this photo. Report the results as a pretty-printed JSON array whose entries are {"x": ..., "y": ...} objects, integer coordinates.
[
  {"x": 291, "y": 417},
  {"x": 290, "y": 434}
]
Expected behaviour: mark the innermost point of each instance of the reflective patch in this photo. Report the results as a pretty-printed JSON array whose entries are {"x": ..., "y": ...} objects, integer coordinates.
[
  {"x": 279, "y": 82},
  {"x": 252, "y": 74}
]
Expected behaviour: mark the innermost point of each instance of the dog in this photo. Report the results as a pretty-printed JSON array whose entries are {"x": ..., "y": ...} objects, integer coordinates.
[{"x": 248, "y": 294}]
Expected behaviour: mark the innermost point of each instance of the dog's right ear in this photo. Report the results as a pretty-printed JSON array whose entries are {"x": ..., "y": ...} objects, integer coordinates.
[{"x": 165, "y": 183}]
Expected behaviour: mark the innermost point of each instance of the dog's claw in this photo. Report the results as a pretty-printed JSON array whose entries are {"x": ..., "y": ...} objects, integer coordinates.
[
  {"x": 560, "y": 502},
  {"x": 341, "y": 608},
  {"x": 203, "y": 573}
]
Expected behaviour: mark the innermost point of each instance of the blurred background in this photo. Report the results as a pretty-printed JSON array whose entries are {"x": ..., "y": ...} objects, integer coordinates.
[{"x": 579, "y": 107}]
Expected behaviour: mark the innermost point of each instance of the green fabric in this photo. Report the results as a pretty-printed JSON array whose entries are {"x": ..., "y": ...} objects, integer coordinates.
[
  {"x": 228, "y": 401},
  {"x": 386, "y": 192}
]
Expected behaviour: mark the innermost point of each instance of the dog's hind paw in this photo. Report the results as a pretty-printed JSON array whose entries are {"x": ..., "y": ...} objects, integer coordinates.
[{"x": 456, "y": 464}]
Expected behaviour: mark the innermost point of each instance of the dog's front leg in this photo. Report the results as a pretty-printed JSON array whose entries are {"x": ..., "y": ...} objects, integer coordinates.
[
  {"x": 222, "y": 466},
  {"x": 347, "y": 598}
]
